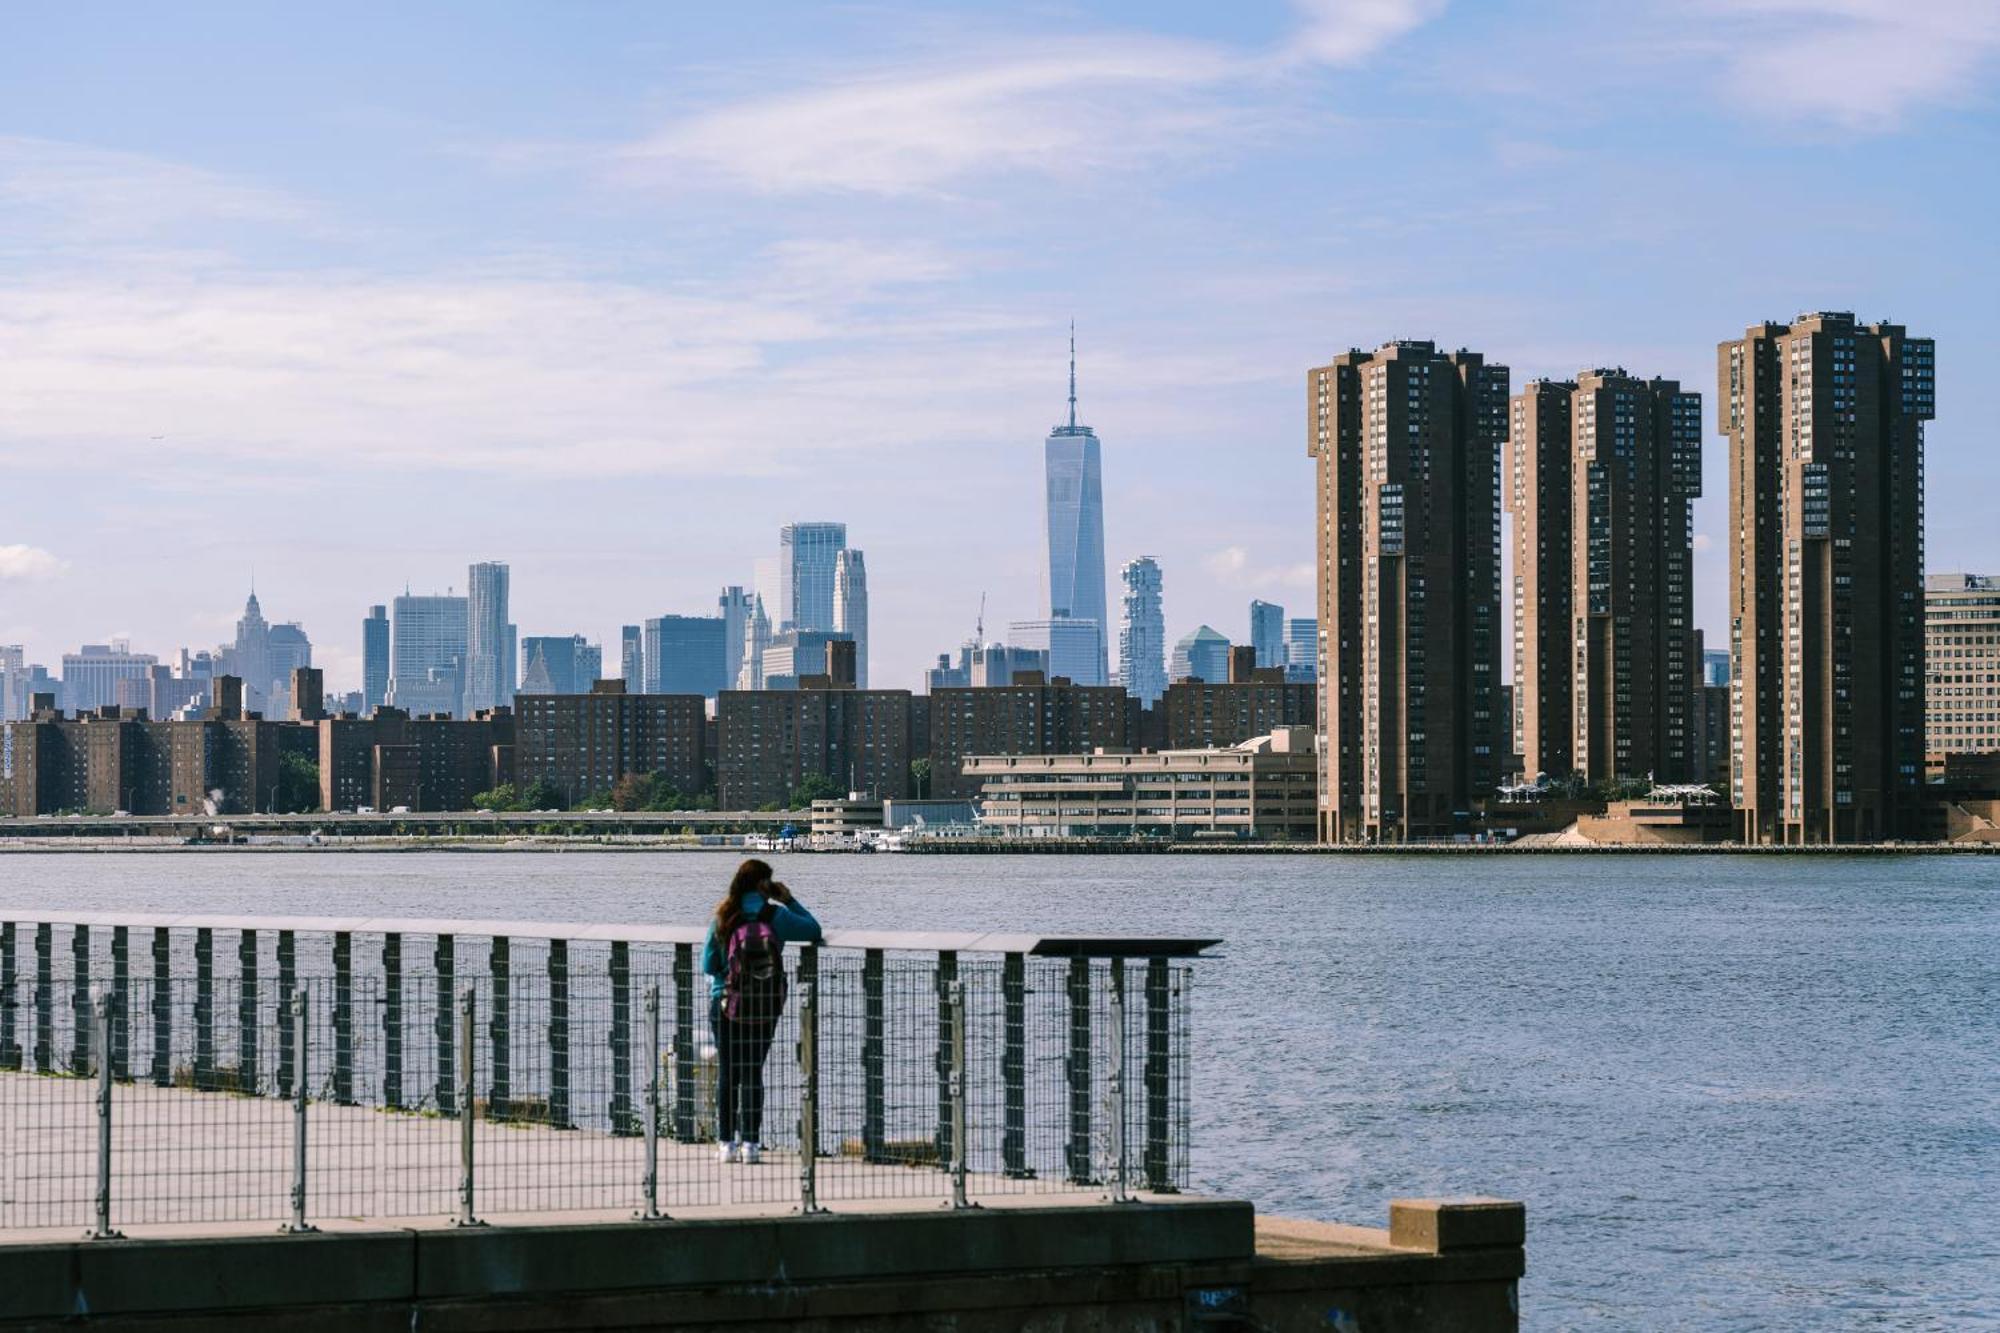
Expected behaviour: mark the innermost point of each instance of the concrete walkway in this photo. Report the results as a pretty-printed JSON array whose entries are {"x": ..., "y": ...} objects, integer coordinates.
[{"x": 182, "y": 1158}]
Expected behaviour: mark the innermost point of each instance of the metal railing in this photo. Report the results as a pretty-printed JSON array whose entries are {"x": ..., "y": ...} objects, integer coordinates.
[{"x": 293, "y": 1069}]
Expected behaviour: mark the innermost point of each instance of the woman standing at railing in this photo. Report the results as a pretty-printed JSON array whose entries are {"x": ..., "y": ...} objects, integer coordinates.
[{"x": 745, "y": 963}]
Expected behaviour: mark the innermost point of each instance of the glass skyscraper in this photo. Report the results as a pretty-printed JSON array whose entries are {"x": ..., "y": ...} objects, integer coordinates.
[
  {"x": 850, "y": 608},
  {"x": 427, "y": 654},
  {"x": 1267, "y": 633},
  {"x": 807, "y": 555},
  {"x": 1075, "y": 526},
  {"x": 487, "y": 647},
  {"x": 1142, "y": 632}
]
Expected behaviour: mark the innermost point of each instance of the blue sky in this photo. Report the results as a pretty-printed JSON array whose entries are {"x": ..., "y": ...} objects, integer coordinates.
[{"x": 611, "y": 291}]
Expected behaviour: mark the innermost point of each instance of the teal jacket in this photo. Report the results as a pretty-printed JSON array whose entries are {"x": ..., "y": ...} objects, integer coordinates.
[{"x": 789, "y": 921}]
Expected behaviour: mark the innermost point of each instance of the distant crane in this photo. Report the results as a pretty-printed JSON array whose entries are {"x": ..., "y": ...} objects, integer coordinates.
[{"x": 979, "y": 626}]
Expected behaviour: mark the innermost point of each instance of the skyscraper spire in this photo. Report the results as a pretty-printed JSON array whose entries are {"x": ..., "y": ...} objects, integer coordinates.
[{"x": 1072, "y": 374}]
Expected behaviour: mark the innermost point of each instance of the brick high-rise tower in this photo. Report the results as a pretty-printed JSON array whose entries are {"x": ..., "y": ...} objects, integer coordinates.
[
  {"x": 1826, "y": 497},
  {"x": 1406, "y": 440},
  {"x": 1536, "y": 479}
]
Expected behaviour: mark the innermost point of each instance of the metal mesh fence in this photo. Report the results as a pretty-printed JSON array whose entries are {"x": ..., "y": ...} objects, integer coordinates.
[{"x": 291, "y": 1079}]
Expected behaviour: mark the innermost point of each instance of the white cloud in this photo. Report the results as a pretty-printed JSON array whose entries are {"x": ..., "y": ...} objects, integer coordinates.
[
  {"x": 100, "y": 193},
  {"x": 28, "y": 562},
  {"x": 1233, "y": 567},
  {"x": 1860, "y": 64},
  {"x": 1344, "y": 32},
  {"x": 1064, "y": 109}
]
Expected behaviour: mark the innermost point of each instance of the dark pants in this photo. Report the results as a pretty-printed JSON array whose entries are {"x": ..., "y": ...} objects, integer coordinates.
[{"x": 740, "y": 1052}]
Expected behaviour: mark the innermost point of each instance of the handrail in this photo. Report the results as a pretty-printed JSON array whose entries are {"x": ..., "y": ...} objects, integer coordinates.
[{"x": 917, "y": 941}]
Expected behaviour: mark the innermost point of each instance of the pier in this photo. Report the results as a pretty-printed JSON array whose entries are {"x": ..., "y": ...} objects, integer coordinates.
[{"x": 360, "y": 1121}]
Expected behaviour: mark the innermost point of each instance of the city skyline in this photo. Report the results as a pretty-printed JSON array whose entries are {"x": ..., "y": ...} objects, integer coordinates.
[{"x": 873, "y": 327}]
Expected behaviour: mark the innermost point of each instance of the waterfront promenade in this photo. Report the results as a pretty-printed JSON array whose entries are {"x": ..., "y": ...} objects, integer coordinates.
[{"x": 445, "y": 1113}]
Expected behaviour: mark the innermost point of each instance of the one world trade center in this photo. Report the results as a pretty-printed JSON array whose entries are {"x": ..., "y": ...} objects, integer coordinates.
[{"x": 1075, "y": 518}]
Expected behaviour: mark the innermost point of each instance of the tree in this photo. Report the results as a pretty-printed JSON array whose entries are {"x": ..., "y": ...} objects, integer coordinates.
[
  {"x": 543, "y": 795},
  {"x": 503, "y": 797},
  {"x": 298, "y": 785},
  {"x": 634, "y": 791},
  {"x": 920, "y": 778},
  {"x": 815, "y": 787}
]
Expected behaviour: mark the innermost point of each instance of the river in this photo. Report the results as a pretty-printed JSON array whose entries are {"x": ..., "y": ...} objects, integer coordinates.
[{"x": 1734, "y": 1092}]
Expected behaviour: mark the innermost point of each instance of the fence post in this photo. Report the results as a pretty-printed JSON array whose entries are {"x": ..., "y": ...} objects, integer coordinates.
[
  {"x": 558, "y": 1034},
  {"x": 622, "y": 1119},
  {"x": 445, "y": 962},
  {"x": 1117, "y": 1083},
  {"x": 101, "y": 1003},
  {"x": 121, "y": 1003},
  {"x": 1159, "y": 1077},
  {"x": 874, "y": 1115},
  {"x": 651, "y": 1212},
  {"x": 343, "y": 1018},
  {"x": 45, "y": 998},
  {"x": 10, "y": 1043},
  {"x": 163, "y": 1007},
  {"x": 809, "y": 1081},
  {"x": 392, "y": 1021},
  {"x": 204, "y": 1009},
  {"x": 79, "y": 999},
  {"x": 467, "y": 1007},
  {"x": 957, "y": 1094},
  {"x": 246, "y": 1012},
  {"x": 499, "y": 1031},
  {"x": 288, "y": 981},
  {"x": 299, "y": 1031},
  {"x": 1078, "y": 1071},
  {"x": 947, "y": 977},
  {"x": 684, "y": 1043},
  {"x": 1014, "y": 1067}
]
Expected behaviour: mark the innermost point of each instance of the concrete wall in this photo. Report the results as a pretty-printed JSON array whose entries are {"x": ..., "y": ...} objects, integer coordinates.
[{"x": 1190, "y": 1264}]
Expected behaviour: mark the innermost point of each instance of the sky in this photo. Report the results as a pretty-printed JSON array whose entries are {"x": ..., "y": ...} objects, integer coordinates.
[{"x": 344, "y": 298}]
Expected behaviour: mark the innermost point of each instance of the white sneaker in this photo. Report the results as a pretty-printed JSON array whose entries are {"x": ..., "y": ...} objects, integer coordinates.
[
  {"x": 752, "y": 1154},
  {"x": 727, "y": 1152}
]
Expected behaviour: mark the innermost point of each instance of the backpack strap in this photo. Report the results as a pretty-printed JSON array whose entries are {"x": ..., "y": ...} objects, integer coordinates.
[{"x": 767, "y": 913}]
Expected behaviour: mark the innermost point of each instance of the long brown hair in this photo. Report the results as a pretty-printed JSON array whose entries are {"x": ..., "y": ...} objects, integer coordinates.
[{"x": 753, "y": 876}]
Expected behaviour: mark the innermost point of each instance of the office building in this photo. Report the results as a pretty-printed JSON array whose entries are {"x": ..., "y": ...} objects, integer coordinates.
[
  {"x": 290, "y": 652},
  {"x": 808, "y": 554},
  {"x": 91, "y": 674},
  {"x": 1030, "y": 716},
  {"x": 948, "y": 674},
  {"x": 1142, "y": 631},
  {"x": 793, "y": 655},
  {"x": 756, "y": 640},
  {"x": 1267, "y": 633},
  {"x": 392, "y": 760},
  {"x": 486, "y": 636},
  {"x": 736, "y": 607},
  {"x": 770, "y": 742},
  {"x": 1263, "y": 789},
  {"x": 427, "y": 654},
  {"x": 1961, "y": 664},
  {"x": 375, "y": 659},
  {"x": 13, "y": 678},
  {"x": 1406, "y": 442},
  {"x": 1825, "y": 423},
  {"x": 632, "y": 658},
  {"x": 585, "y": 743},
  {"x": 1302, "y": 650},
  {"x": 1075, "y": 648},
  {"x": 850, "y": 608},
  {"x": 684, "y": 655},
  {"x": 1202, "y": 654},
  {"x": 1074, "y": 526},
  {"x": 1601, "y": 474},
  {"x": 559, "y": 664}
]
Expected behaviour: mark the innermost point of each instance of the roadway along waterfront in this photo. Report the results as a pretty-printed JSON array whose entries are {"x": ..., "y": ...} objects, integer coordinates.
[{"x": 1735, "y": 1092}]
